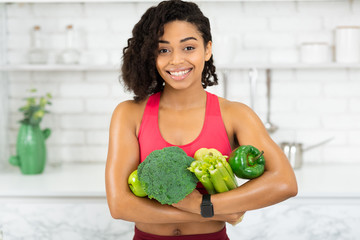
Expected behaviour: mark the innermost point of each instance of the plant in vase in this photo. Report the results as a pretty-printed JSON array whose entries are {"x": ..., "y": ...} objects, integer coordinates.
[{"x": 30, "y": 144}]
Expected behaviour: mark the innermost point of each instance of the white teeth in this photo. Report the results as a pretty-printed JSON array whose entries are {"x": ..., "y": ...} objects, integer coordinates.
[{"x": 180, "y": 73}]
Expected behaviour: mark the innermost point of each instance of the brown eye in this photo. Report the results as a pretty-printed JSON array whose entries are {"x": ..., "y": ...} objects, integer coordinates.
[
  {"x": 189, "y": 48},
  {"x": 164, "y": 50}
]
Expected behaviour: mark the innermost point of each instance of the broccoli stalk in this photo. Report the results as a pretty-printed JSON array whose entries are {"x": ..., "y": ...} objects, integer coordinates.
[
  {"x": 213, "y": 171},
  {"x": 164, "y": 176}
]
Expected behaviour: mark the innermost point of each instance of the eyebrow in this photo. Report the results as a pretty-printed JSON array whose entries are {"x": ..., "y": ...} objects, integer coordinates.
[{"x": 182, "y": 40}]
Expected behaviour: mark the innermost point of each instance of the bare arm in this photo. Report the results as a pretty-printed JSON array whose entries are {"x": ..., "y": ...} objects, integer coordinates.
[
  {"x": 122, "y": 159},
  {"x": 278, "y": 182}
]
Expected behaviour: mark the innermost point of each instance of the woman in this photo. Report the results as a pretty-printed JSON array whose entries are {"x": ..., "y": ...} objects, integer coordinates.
[{"x": 168, "y": 64}]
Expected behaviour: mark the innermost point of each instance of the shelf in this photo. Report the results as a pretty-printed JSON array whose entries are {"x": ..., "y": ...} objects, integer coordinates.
[
  {"x": 126, "y": 1},
  {"x": 31, "y": 67},
  {"x": 245, "y": 66},
  {"x": 291, "y": 66},
  {"x": 79, "y": 1}
]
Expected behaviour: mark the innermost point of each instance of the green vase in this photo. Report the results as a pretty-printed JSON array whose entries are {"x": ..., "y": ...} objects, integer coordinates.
[{"x": 30, "y": 149}]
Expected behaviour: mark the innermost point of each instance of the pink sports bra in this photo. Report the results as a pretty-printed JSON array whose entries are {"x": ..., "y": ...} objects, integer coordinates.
[{"x": 212, "y": 135}]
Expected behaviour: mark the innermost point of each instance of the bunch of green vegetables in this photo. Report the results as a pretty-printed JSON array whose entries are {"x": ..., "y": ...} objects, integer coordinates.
[
  {"x": 213, "y": 171},
  {"x": 169, "y": 174}
]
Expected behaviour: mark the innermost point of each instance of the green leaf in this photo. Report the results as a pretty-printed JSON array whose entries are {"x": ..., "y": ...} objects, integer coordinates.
[{"x": 34, "y": 108}]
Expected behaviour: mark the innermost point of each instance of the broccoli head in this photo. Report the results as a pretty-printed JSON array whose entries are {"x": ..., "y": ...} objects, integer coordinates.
[{"x": 164, "y": 175}]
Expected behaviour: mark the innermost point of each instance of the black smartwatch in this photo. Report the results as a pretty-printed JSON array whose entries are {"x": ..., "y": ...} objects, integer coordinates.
[{"x": 206, "y": 206}]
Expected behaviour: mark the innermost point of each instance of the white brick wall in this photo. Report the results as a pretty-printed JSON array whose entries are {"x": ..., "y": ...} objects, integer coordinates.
[
  {"x": 4, "y": 146},
  {"x": 308, "y": 105}
]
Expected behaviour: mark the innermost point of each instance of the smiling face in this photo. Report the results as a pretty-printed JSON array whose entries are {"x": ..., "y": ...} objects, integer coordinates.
[{"x": 181, "y": 55}]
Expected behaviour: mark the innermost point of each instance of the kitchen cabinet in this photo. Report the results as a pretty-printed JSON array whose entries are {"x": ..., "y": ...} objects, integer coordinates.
[{"x": 69, "y": 202}]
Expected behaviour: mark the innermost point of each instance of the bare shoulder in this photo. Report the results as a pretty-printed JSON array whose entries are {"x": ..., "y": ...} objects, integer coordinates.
[
  {"x": 238, "y": 117},
  {"x": 232, "y": 107},
  {"x": 129, "y": 112},
  {"x": 130, "y": 106}
]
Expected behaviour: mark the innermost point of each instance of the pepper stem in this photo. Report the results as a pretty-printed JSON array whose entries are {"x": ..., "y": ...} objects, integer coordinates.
[{"x": 258, "y": 156}]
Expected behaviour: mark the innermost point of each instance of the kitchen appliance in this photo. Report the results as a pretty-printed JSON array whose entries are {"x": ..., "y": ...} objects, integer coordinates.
[{"x": 294, "y": 151}]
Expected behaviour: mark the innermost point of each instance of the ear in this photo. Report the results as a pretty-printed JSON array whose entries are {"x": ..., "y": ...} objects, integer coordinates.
[{"x": 208, "y": 51}]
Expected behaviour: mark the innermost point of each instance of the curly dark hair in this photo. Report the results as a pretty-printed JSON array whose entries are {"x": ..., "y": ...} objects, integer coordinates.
[{"x": 139, "y": 71}]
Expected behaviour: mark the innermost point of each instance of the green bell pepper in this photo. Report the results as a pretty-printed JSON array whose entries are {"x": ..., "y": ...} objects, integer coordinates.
[{"x": 247, "y": 162}]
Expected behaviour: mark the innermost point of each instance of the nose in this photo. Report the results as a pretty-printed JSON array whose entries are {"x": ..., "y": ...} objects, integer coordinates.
[{"x": 176, "y": 57}]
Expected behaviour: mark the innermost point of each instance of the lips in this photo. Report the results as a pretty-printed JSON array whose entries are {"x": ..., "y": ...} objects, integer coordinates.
[{"x": 178, "y": 75}]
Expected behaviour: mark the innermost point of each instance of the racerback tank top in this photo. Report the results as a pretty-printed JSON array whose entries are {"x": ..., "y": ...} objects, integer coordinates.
[{"x": 212, "y": 135}]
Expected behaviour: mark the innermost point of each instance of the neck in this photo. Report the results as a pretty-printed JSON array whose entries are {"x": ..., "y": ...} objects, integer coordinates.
[{"x": 183, "y": 99}]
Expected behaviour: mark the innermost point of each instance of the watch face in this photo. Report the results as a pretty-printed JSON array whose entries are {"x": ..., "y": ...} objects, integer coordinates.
[
  {"x": 207, "y": 210},
  {"x": 206, "y": 207}
]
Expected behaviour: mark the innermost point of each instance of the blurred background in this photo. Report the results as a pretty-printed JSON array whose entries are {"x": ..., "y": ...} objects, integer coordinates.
[{"x": 296, "y": 63}]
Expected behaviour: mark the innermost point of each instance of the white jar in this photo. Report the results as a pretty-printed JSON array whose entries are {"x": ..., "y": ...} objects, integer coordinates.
[
  {"x": 347, "y": 42},
  {"x": 315, "y": 52}
]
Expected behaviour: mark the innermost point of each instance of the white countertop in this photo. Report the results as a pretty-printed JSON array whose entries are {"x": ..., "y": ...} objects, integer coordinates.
[
  {"x": 67, "y": 180},
  {"x": 329, "y": 180},
  {"x": 88, "y": 180}
]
